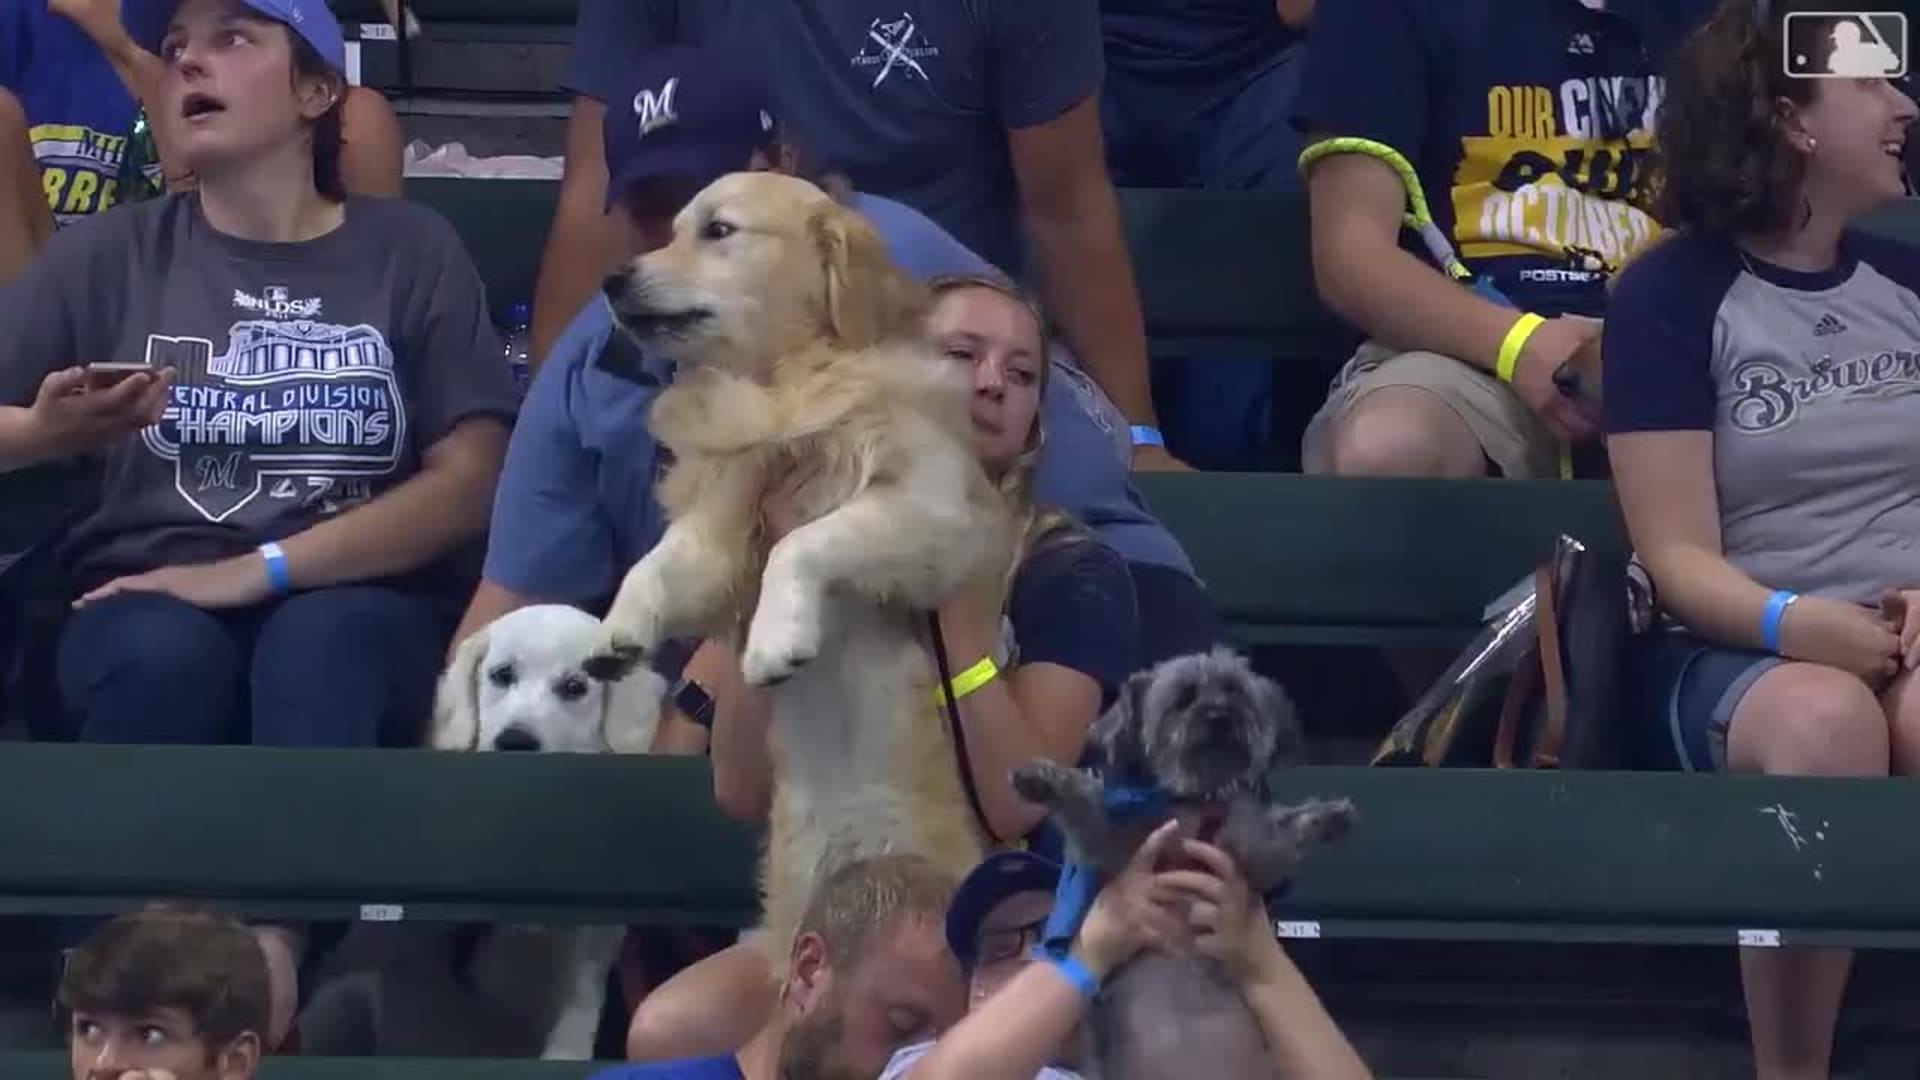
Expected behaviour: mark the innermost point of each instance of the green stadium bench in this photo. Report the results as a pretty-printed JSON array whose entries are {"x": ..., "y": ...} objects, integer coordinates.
[
  {"x": 1900, "y": 221},
  {"x": 504, "y": 224},
  {"x": 1660, "y": 858},
  {"x": 1314, "y": 560}
]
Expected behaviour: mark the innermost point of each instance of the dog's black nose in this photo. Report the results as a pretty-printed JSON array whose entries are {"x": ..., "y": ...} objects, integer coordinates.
[
  {"x": 615, "y": 285},
  {"x": 516, "y": 739}
]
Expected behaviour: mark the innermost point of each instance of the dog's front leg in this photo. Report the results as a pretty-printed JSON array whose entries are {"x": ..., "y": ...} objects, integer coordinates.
[
  {"x": 591, "y": 957},
  {"x": 1077, "y": 800},
  {"x": 684, "y": 585},
  {"x": 886, "y": 544},
  {"x": 1268, "y": 842}
]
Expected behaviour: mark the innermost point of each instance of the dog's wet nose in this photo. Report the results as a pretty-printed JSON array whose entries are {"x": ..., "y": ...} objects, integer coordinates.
[{"x": 516, "y": 739}]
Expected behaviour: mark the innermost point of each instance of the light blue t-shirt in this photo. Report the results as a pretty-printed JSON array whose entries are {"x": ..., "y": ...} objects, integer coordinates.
[{"x": 575, "y": 506}]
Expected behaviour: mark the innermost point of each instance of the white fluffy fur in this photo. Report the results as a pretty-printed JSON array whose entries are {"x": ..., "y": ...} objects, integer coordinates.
[
  {"x": 801, "y": 352},
  {"x": 521, "y": 673}
]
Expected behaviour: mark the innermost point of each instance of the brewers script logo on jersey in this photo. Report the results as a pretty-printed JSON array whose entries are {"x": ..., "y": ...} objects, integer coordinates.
[
  {"x": 1561, "y": 171},
  {"x": 301, "y": 410}
]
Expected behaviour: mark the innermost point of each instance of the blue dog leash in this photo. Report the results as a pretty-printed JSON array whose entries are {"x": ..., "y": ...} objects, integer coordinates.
[{"x": 1080, "y": 882}]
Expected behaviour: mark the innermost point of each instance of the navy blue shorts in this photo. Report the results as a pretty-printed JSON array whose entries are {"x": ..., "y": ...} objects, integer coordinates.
[{"x": 1693, "y": 688}]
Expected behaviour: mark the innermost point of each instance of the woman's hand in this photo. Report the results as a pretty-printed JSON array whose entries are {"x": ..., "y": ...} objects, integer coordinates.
[
  {"x": 1229, "y": 923},
  {"x": 780, "y": 505},
  {"x": 1902, "y": 610},
  {"x": 1134, "y": 911},
  {"x": 229, "y": 583},
  {"x": 74, "y": 414},
  {"x": 1851, "y": 637}
]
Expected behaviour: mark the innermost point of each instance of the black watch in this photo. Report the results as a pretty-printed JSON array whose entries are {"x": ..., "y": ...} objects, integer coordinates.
[{"x": 694, "y": 702}]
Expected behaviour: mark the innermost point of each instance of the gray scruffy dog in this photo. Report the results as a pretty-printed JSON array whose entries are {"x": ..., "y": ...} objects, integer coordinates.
[{"x": 1201, "y": 732}]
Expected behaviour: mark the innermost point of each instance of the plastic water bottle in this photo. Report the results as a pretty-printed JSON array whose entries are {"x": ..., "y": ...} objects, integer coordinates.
[{"x": 519, "y": 335}]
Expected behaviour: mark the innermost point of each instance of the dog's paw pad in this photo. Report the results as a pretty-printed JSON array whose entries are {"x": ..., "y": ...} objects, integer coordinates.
[{"x": 613, "y": 661}]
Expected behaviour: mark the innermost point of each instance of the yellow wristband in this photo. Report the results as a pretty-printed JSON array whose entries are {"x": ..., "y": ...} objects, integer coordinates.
[
  {"x": 1510, "y": 346},
  {"x": 972, "y": 679}
]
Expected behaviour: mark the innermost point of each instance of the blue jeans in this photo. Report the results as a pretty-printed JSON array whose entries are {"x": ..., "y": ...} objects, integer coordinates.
[
  {"x": 1230, "y": 134},
  {"x": 344, "y": 667}
]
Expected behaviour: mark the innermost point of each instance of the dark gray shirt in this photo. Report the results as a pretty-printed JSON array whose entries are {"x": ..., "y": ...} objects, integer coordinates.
[
  {"x": 310, "y": 377},
  {"x": 1810, "y": 384}
]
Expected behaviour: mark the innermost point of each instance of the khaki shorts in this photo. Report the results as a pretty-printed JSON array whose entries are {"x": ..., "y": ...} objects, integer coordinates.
[{"x": 1509, "y": 432}]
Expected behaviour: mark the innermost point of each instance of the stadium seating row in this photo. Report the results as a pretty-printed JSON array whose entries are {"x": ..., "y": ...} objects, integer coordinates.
[{"x": 1464, "y": 855}]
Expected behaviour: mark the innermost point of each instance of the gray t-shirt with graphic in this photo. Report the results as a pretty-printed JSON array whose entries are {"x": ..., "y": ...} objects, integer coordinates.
[
  {"x": 310, "y": 377},
  {"x": 1810, "y": 383}
]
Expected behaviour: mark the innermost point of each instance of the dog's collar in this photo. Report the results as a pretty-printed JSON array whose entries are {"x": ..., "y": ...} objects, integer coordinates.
[{"x": 1080, "y": 881}]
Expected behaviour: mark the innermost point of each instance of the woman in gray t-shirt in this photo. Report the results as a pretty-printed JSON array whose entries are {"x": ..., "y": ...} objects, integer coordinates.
[
  {"x": 1762, "y": 388},
  {"x": 309, "y": 416}
]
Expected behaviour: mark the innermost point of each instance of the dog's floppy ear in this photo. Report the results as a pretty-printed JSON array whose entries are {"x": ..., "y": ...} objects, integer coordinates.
[
  {"x": 630, "y": 711},
  {"x": 456, "y": 701},
  {"x": 1276, "y": 708},
  {"x": 1116, "y": 735},
  {"x": 868, "y": 299}
]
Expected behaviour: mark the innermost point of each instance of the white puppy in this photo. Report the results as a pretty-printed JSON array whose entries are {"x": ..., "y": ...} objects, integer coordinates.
[{"x": 517, "y": 684}]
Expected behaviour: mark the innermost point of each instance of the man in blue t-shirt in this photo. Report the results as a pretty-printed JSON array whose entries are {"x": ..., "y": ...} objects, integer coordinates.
[
  {"x": 870, "y": 972},
  {"x": 982, "y": 115},
  {"x": 1528, "y": 125},
  {"x": 575, "y": 506}
]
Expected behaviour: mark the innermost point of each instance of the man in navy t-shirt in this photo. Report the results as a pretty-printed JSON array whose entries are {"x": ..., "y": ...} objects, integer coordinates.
[
  {"x": 870, "y": 972},
  {"x": 982, "y": 115},
  {"x": 1528, "y": 124}
]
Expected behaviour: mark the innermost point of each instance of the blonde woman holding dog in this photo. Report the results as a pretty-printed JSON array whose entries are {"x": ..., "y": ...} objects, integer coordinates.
[{"x": 1066, "y": 636}]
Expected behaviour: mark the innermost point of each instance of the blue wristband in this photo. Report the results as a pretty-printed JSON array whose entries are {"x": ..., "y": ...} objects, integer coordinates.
[
  {"x": 277, "y": 581},
  {"x": 1147, "y": 435},
  {"x": 1075, "y": 972},
  {"x": 1776, "y": 609}
]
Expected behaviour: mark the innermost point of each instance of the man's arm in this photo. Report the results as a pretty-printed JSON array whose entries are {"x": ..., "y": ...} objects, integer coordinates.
[
  {"x": 1295, "y": 13},
  {"x": 371, "y": 159},
  {"x": 584, "y": 243},
  {"x": 139, "y": 70},
  {"x": 25, "y": 222},
  {"x": 1072, "y": 219}
]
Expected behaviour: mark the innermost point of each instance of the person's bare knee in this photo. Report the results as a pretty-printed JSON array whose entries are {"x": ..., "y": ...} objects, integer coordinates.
[
  {"x": 1809, "y": 720},
  {"x": 713, "y": 1007},
  {"x": 1405, "y": 431}
]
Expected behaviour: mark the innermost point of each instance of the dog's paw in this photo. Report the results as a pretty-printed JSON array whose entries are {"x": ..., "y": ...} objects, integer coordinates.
[
  {"x": 616, "y": 657},
  {"x": 1040, "y": 782},
  {"x": 783, "y": 638},
  {"x": 1319, "y": 822},
  {"x": 1270, "y": 845}
]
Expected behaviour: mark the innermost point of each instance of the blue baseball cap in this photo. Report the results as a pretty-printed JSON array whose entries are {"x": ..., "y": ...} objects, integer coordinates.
[
  {"x": 1001, "y": 875},
  {"x": 147, "y": 20},
  {"x": 685, "y": 113}
]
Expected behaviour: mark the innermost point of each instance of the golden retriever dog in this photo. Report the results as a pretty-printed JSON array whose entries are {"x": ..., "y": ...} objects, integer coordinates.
[{"x": 801, "y": 360}]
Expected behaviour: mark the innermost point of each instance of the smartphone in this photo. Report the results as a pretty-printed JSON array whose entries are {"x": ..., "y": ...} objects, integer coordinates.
[{"x": 111, "y": 373}]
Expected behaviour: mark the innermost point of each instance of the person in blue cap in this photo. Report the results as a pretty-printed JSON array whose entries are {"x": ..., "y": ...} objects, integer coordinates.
[
  {"x": 1026, "y": 1006},
  {"x": 303, "y": 422}
]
